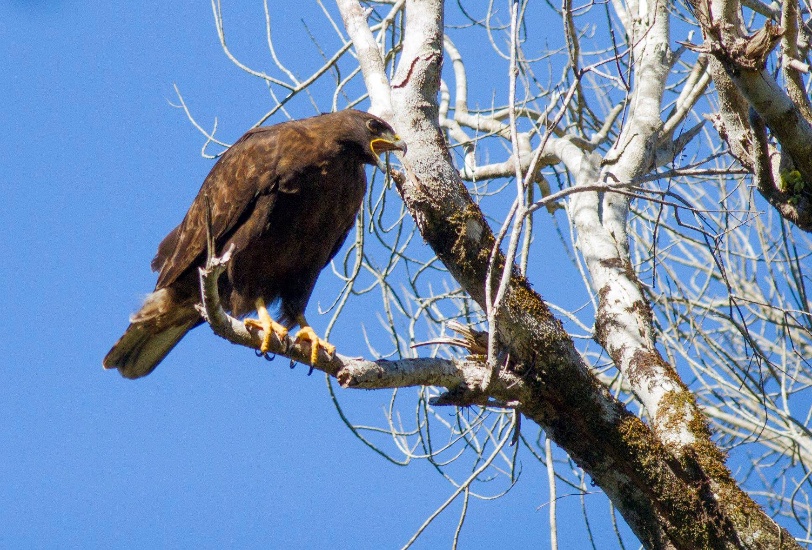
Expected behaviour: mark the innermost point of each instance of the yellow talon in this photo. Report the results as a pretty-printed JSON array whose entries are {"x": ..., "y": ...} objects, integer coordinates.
[
  {"x": 267, "y": 325},
  {"x": 307, "y": 333}
]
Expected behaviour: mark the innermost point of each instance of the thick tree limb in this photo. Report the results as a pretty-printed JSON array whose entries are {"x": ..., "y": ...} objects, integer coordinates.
[{"x": 623, "y": 324}]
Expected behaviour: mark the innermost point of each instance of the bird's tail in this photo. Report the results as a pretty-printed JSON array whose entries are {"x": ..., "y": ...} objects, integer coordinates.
[{"x": 152, "y": 333}]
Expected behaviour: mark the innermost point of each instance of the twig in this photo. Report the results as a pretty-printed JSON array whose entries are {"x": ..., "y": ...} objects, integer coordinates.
[
  {"x": 463, "y": 487},
  {"x": 548, "y": 453}
]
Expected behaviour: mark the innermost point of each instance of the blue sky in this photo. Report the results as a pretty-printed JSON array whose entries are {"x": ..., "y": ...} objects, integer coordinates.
[{"x": 216, "y": 448}]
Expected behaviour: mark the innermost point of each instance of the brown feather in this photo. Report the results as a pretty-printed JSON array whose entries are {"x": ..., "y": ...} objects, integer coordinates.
[{"x": 285, "y": 196}]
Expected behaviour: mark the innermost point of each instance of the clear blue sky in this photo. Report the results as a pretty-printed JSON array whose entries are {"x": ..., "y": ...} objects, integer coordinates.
[{"x": 216, "y": 448}]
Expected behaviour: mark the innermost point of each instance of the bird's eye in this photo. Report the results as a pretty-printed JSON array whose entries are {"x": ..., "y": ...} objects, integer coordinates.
[{"x": 373, "y": 126}]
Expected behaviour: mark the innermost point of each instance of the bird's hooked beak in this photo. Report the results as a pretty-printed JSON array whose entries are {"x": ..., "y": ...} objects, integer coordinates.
[{"x": 387, "y": 142}]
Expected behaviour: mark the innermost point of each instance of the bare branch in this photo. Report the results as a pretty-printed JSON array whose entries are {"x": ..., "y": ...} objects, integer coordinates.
[
  {"x": 369, "y": 56},
  {"x": 351, "y": 373}
]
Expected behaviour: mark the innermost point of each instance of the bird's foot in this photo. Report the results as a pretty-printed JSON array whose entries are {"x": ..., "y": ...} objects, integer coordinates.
[
  {"x": 316, "y": 343},
  {"x": 269, "y": 327}
]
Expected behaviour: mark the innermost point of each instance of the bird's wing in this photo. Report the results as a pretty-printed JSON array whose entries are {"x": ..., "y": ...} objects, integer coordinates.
[
  {"x": 263, "y": 162},
  {"x": 339, "y": 243}
]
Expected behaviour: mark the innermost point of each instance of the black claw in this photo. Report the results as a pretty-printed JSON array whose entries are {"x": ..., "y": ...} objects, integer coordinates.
[
  {"x": 292, "y": 364},
  {"x": 266, "y": 355},
  {"x": 310, "y": 371}
]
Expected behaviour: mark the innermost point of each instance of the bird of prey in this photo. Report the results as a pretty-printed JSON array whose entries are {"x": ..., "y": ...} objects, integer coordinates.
[{"x": 285, "y": 196}]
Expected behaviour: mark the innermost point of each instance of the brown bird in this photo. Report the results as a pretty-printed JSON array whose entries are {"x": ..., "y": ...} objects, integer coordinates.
[{"x": 286, "y": 197}]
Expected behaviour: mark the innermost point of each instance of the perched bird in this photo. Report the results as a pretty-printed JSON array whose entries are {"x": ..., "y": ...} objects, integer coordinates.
[{"x": 286, "y": 197}]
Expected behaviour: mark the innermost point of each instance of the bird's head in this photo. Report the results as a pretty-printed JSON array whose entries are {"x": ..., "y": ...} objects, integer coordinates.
[{"x": 379, "y": 138}]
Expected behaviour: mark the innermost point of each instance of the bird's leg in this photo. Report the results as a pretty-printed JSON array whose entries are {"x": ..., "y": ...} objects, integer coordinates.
[
  {"x": 268, "y": 326},
  {"x": 307, "y": 333}
]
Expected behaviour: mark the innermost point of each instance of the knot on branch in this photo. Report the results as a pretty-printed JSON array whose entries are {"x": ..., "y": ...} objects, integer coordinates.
[
  {"x": 463, "y": 396},
  {"x": 738, "y": 53},
  {"x": 757, "y": 47},
  {"x": 475, "y": 341}
]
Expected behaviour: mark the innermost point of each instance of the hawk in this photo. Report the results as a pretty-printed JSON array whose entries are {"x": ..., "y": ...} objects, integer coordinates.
[{"x": 285, "y": 196}]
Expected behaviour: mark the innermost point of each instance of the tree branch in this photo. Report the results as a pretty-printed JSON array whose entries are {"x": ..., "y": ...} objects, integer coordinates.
[
  {"x": 454, "y": 374},
  {"x": 740, "y": 62}
]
